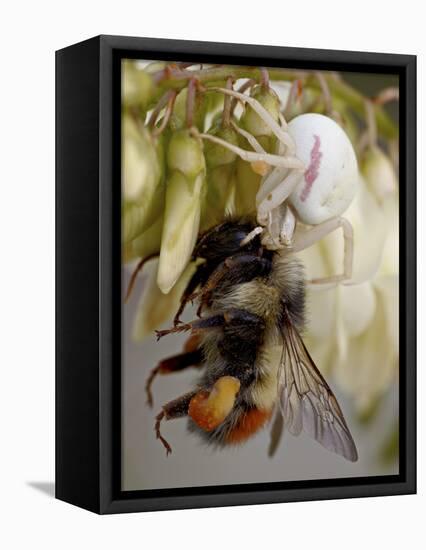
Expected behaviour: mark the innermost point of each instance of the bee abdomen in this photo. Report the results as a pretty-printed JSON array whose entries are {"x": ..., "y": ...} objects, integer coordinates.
[
  {"x": 241, "y": 424},
  {"x": 249, "y": 423}
]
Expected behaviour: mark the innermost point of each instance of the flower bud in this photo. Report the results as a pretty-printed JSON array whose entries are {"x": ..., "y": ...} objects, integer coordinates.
[
  {"x": 230, "y": 201},
  {"x": 295, "y": 98},
  {"x": 184, "y": 195},
  {"x": 221, "y": 180},
  {"x": 180, "y": 228},
  {"x": 178, "y": 118},
  {"x": 142, "y": 156},
  {"x": 142, "y": 178},
  {"x": 185, "y": 154},
  {"x": 217, "y": 155},
  {"x": 378, "y": 173},
  {"x": 145, "y": 244},
  {"x": 252, "y": 121},
  {"x": 136, "y": 85},
  {"x": 247, "y": 186},
  {"x": 220, "y": 197}
]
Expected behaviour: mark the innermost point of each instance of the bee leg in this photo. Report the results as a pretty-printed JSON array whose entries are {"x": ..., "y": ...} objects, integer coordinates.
[
  {"x": 193, "y": 343},
  {"x": 197, "y": 279},
  {"x": 166, "y": 444},
  {"x": 211, "y": 283},
  {"x": 198, "y": 325},
  {"x": 200, "y": 309},
  {"x": 208, "y": 409},
  {"x": 172, "y": 364},
  {"x": 174, "y": 409}
]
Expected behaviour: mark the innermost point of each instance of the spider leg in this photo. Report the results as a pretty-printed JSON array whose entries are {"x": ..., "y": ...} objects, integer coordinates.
[
  {"x": 274, "y": 191},
  {"x": 275, "y": 178},
  {"x": 260, "y": 167},
  {"x": 318, "y": 232},
  {"x": 281, "y": 226},
  {"x": 278, "y": 129},
  {"x": 249, "y": 137},
  {"x": 252, "y": 156},
  {"x": 283, "y": 136}
]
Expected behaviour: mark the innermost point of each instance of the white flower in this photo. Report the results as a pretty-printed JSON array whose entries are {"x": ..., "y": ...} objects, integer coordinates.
[{"x": 353, "y": 329}]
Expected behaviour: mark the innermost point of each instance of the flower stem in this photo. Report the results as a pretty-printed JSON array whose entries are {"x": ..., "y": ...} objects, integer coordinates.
[
  {"x": 226, "y": 116},
  {"x": 177, "y": 79}
]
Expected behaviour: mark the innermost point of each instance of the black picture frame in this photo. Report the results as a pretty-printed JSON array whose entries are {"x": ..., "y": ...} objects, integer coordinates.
[{"x": 88, "y": 308}]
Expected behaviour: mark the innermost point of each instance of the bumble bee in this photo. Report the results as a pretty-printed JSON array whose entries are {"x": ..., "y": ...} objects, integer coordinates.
[{"x": 248, "y": 347}]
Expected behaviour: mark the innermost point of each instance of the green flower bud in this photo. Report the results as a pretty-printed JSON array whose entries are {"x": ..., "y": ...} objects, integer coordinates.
[
  {"x": 178, "y": 118},
  {"x": 230, "y": 202},
  {"x": 185, "y": 154},
  {"x": 220, "y": 186},
  {"x": 184, "y": 196},
  {"x": 180, "y": 228},
  {"x": 251, "y": 121},
  {"x": 213, "y": 103},
  {"x": 301, "y": 103},
  {"x": 146, "y": 243},
  {"x": 136, "y": 85},
  {"x": 138, "y": 217},
  {"x": 216, "y": 155},
  {"x": 141, "y": 159},
  {"x": 220, "y": 197},
  {"x": 247, "y": 186},
  {"x": 142, "y": 178}
]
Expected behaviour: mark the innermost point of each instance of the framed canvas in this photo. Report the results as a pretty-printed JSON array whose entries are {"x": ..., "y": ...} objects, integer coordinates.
[{"x": 236, "y": 280}]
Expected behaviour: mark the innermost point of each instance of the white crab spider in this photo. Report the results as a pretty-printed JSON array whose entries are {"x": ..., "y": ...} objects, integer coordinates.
[{"x": 313, "y": 181}]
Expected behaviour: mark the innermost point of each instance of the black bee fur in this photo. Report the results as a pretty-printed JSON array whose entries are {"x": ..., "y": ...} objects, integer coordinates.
[{"x": 254, "y": 292}]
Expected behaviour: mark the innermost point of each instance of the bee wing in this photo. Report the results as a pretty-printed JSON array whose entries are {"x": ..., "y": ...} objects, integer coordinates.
[{"x": 307, "y": 402}]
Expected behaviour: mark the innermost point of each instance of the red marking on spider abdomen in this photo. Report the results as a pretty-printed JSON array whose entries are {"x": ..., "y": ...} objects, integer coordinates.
[
  {"x": 249, "y": 423},
  {"x": 312, "y": 171}
]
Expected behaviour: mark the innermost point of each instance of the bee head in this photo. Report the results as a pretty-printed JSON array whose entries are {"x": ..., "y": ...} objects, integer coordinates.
[{"x": 225, "y": 240}]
